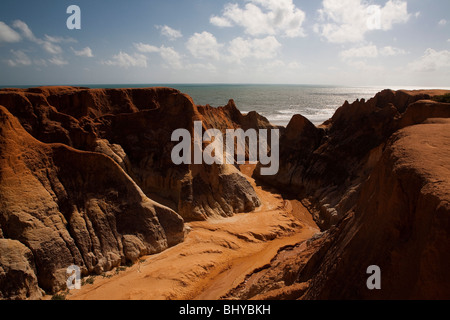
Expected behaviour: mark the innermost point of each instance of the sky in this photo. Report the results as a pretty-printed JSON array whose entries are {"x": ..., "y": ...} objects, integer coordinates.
[{"x": 321, "y": 42}]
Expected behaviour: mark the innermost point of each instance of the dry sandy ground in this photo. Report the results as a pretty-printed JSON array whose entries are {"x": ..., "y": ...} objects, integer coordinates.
[{"x": 216, "y": 256}]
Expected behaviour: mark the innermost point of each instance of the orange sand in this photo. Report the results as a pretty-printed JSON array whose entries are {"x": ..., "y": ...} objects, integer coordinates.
[{"x": 216, "y": 256}]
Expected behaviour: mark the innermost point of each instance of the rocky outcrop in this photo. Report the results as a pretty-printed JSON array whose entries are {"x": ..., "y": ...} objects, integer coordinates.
[
  {"x": 195, "y": 191},
  {"x": 74, "y": 207},
  {"x": 17, "y": 272},
  {"x": 400, "y": 223},
  {"x": 392, "y": 210},
  {"x": 327, "y": 165},
  {"x": 134, "y": 128},
  {"x": 86, "y": 178},
  {"x": 229, "y": 117}
]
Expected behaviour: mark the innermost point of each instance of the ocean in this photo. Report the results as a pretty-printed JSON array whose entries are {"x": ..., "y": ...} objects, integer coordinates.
[{"x": 278, "y": 103}]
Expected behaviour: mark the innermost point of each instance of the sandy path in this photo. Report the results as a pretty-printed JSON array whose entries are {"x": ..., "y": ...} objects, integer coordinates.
[{"x": 215, "y": 257}]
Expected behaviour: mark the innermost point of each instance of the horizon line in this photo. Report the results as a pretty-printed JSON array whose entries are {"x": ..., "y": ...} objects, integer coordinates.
[{"x": 147, "y": 85}]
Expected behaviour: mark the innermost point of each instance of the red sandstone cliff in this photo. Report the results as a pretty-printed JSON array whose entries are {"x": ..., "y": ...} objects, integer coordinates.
[
  {"x": 400, "y": 222},
  {"x": 377, "y": 177},
  {"x": 134, "y": 128},
  {"x": 74, "y": 207},
  {"x": 327, "y": 165},
  {"x": 86, "y": 178}
]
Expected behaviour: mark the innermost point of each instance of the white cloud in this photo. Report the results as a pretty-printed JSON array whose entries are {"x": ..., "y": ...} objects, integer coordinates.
[
  {"x": 7, "y": 34},
  {"x": 364, "y": 66},
  {"x": 266, "y": 48},
  {"x": 392, "y": 51},
  {"x": 344, "y": 21},
  {"x": 86, "y": 52},
  {"x": 271, "y": 65},
  {"x": 369, "y": 51},
  {"x": 239, "y": 49},
  {"x": 277, "y": 65},
  {"x": 125, "y": 60},
  {"x": 40, "y": 62},
  {"x": 171, "y": 57},
  {"x": 50, "y": 44},
  {"x": 263, "y": 17},
  {"x": 204, "y": 45},
  {"x": 432, "y": 60},
  {"x": 20, "y": 59},
  {"x": 51, "y": 47},
  {"x": 60, "y": 39},
  {"x": 209, "y": 67},
  {"x": 59, "y": 61},
  {"x": 170, "y": 33},
  {"x": 220, "y": 22},
  {"x": 394, "y": 11},
  {"x": 442, "y": 23},
  {"x": 145, "y": 48},
  {"x": 26, "y": 31},
  {"x": 294, "y": 65}
]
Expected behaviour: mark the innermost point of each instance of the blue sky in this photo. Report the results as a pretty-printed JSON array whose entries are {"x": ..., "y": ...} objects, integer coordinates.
[{"x": 335, "y": 42}]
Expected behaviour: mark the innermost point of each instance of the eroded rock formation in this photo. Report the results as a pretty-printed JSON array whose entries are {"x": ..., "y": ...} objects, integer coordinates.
[
  {"x": 327, "y": 165},
  {"x": 86, "y": 178},
  {"x": 17, "y": 272},
  {"x": 134, "y": 128},
  {"x": 377, "y": 176},
  {"x": 400, "y": 223},
  {"x": 75, "y": 207}
]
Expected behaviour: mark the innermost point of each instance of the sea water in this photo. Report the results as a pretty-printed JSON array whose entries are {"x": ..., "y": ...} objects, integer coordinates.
[{"x": 278, "y": 103}]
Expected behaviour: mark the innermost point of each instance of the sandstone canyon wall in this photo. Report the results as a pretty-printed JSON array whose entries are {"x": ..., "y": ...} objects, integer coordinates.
[
  {"x": 327, "y": 165},
  {"x": 377, "y": 178},
  {"x": 86, "y": 178}
]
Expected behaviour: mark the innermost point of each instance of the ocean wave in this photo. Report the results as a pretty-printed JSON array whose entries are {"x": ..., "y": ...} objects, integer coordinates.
[
  {"x": 287, "y": 111},
  {"x": 315, "y": 115}
]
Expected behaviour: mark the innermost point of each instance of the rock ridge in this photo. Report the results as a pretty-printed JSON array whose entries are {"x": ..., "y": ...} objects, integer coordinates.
[
  {"x": 387, "y": 203},
  {"x": 86, "y": 178}
]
